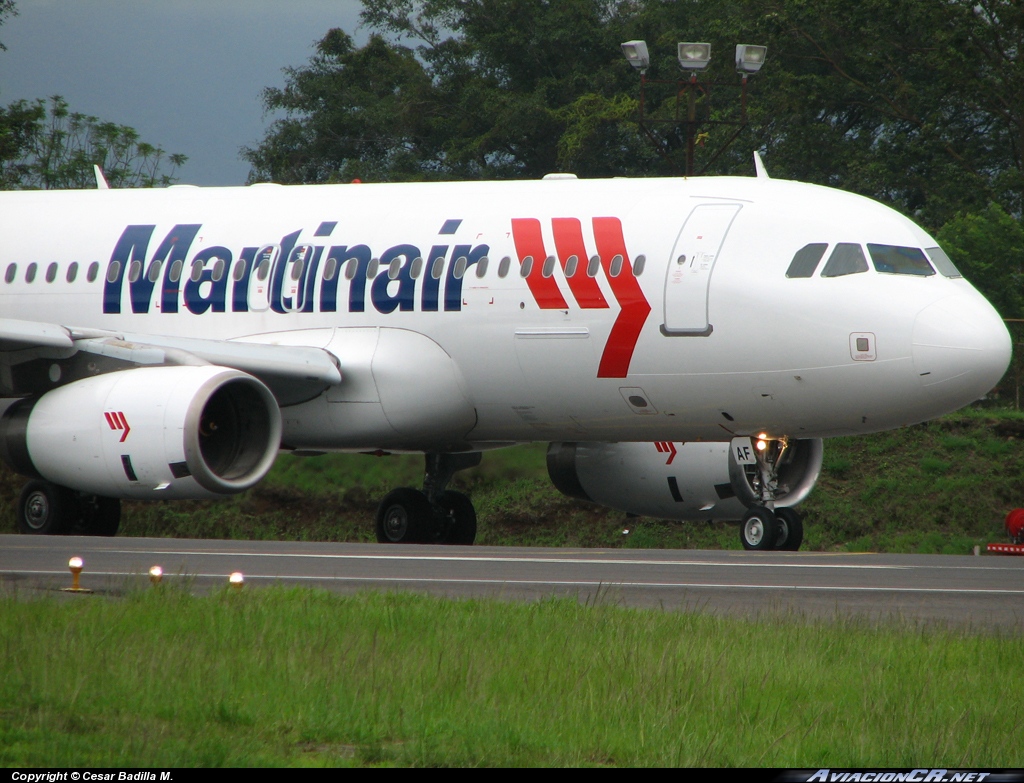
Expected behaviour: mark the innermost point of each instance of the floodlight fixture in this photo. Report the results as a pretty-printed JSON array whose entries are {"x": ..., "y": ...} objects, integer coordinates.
[
  {"x": 636, "y": 53},
  {"x": 694, "y": 56},
  {"x": 750, "y": 58}
]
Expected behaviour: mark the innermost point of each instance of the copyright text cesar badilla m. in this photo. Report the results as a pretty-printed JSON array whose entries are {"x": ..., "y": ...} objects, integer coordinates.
[{"x": 55, "y": 777}]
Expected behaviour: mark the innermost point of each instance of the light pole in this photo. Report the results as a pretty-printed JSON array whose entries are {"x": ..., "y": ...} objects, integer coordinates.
[{"x": 693, "y": 59}]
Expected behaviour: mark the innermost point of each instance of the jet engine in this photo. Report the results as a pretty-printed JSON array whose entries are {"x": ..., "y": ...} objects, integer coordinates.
[
  {"x": 147, "y": 433},
  {"x": 671, "y": 480}
]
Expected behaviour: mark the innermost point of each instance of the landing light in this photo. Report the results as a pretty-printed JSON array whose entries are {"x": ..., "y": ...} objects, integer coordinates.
[
  {"x": 694, "y": 56},
  {"x": 156, "y": 573},
  {"x": 761, "y": 445},
  {"x": 236, "y": 580},
  {"x": 636, "y": 53}
]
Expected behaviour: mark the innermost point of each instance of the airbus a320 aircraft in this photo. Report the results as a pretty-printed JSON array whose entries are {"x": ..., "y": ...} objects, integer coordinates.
[{"x": 683, "y": 344}]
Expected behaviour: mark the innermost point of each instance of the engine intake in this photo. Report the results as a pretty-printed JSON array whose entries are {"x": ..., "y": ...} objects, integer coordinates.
[{"x": 148, "y": 432}]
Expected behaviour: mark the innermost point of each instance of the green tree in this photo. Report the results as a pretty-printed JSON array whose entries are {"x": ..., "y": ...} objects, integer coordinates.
[
  {"x": 485, "y": 89},
  {"x": 43, "y": 145}
]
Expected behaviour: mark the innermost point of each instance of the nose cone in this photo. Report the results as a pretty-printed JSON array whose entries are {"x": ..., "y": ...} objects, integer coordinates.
[{"x": 961, "y": 348}]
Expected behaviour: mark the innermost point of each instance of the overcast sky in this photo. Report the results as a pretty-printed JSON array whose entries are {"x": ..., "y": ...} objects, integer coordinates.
[{"x": 187, "y": 74}]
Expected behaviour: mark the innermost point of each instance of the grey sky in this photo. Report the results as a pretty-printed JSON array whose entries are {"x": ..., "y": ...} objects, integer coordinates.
[{"x": 186, "y": 74}]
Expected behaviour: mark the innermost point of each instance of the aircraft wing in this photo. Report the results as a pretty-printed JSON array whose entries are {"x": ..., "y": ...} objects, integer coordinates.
[{"x": 293, "y": 373}]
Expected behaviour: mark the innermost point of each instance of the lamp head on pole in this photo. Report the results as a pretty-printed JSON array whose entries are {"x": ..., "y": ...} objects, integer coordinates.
[
  {"x": 636, "y": 53},
  {"x": 693, "y": 56}
]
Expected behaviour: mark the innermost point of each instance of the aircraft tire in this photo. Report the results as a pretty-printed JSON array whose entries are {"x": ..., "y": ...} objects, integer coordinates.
[
  {"x": 44, "y": 509},
  {"x": 759, "y": 530},
  {"x": 791, "y": 529},
  {"x": 462, "y": 518},
  {"x": 404, "y": 516}
]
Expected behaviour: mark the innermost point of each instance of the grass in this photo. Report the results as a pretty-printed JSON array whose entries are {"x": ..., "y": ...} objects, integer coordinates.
[
  {"x": 300, "y": 677},
  {"x": 942, "y": 486}
]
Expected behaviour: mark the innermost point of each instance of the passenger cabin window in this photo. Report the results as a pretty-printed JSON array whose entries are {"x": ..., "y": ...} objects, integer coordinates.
[
  {"x": 894, "y": 260},
  {"x": 72, "y": 271},
  {"x": 570, "y": 265},
  {"x": 616, "y": 265},
  {"x": 593, "y": 266},
  {"x": 638, "y": 265},
  {"x": 846, "y": 259},
  {"x": 30, "y": 273},
  {"x": 417, "y": 268},
  {"x": 503, "y": 266},
  {"x": 481, "y": 267},
  {"x": 437, "y": 267},
  {"x": 460, "y": 267},
  {"x": 154, "y": 272},
  {"x": 941, "y": 262},
  {"x": 51, "y": 273},
  {"x": 548, "y": 268},
  {"x": 94, "y": 270},
  {"x": 11, "y": 273},
  {"x": 806, "y": 260},
  {"x": 527, "y": 266}
]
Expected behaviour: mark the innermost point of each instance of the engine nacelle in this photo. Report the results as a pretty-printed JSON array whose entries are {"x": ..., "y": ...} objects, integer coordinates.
[
  {"x": 148, "y": 433},
  {"x": 685, "y": 481}
]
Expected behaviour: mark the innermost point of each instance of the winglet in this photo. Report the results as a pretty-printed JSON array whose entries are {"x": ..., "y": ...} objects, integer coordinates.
[
  {"x": 762, "y": 172},
  {"x": 101, "y": 181}
]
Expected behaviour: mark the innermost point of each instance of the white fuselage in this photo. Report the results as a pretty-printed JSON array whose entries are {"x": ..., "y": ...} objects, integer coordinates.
[{"x": 709, "y": 340}]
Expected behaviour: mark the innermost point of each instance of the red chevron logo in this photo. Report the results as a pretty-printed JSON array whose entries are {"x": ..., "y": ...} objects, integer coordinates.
[
  {"x": 666, "y": 447},
  {"x": 117, "y": 421},
  {"x": 580, "y": 272}
]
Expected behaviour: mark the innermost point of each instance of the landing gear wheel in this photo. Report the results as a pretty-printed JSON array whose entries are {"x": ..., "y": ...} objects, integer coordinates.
[
  {"x": 759, "y": 530},
  {"x": 461, "y": 518},
  {"x": 404, "y": 516},
  {"x": 46, "y": 509},
  {"x": 791, "y": 529},
  {"x": 100, "y": 516}
]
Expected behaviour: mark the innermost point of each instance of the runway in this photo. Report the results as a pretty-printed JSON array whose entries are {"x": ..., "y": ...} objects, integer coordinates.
[{"x": 982, "y": 592}]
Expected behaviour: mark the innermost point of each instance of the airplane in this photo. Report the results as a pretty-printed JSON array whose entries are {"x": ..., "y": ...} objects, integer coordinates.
[{"x": 683, "y": 344}]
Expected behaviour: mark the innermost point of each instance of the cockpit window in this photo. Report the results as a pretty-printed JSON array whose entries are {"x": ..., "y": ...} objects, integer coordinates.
[
  {"x": 894, "y": 260},
  {"x": 941, "y": 262},
  {"x": 846, "y": 259},
  {"x": 806, "y": 260}
]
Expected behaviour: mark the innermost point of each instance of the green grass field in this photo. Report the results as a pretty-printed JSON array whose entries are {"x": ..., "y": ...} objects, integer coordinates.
[
  {"x": 301, "y": 677},
  {"x": 944, "y": 486}
]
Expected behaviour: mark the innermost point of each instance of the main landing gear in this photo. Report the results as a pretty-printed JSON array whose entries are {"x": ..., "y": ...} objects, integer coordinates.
[
  {"x": 47, "y": 509},
  {"x": 765, "y": 527},
  {"x": 435, "y": 515}
]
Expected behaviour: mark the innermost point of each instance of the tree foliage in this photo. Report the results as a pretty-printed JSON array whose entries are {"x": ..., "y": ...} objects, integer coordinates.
[
  {"x": 7, "y": 8},
  {"x": 44, "y": 145}
]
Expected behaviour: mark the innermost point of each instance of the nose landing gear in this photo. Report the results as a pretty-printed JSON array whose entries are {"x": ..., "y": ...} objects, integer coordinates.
[{"x": 765, "y": 527}]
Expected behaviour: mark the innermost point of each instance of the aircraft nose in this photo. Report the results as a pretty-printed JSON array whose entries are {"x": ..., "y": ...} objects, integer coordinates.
[{"x": 961, "y": 348}]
